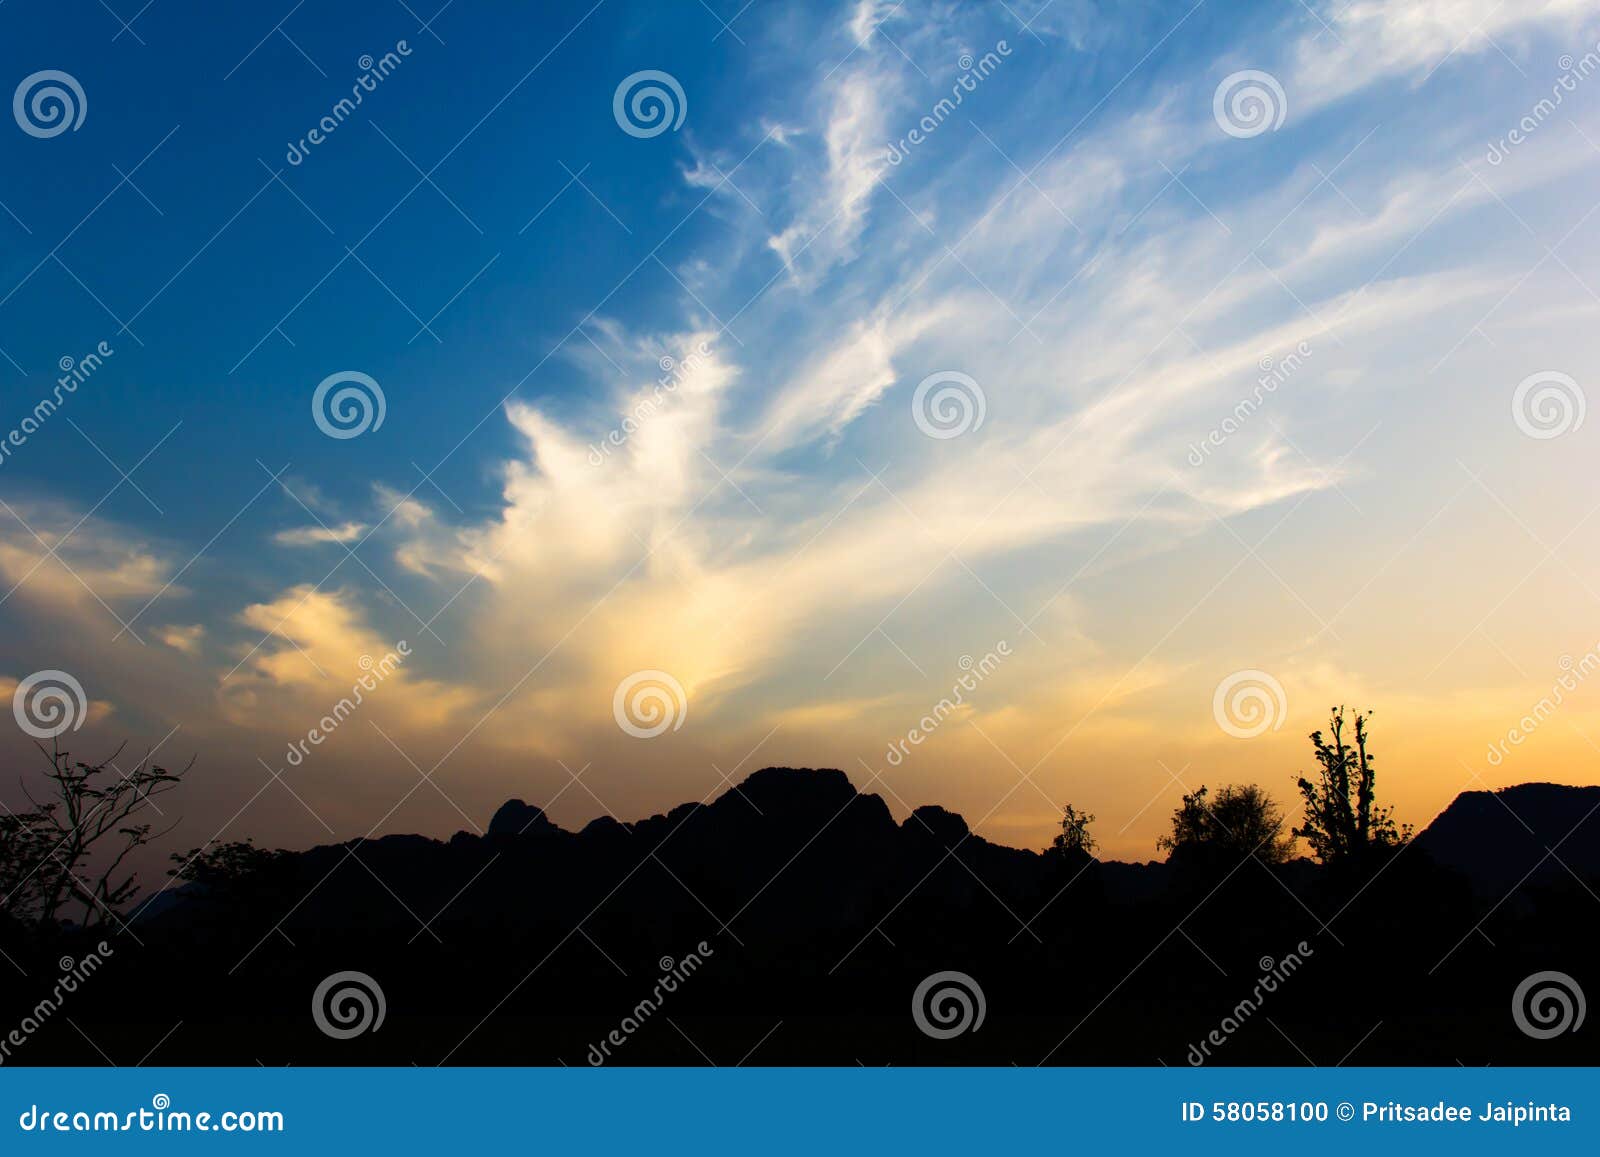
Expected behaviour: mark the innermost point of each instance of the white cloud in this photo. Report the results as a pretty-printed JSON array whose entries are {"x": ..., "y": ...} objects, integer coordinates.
[
  {"x": 1360, "y": 43},
  {"x": 320, "y": 535},
  {"x": 824, "y": 228},
  {"x": 1146, "y": 320}
]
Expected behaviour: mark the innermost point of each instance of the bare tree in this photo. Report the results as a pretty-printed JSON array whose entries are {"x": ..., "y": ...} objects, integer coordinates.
[{"x": 70, "y": 849}]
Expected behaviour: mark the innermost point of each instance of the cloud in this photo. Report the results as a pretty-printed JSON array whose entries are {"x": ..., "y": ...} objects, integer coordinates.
[
  {"x": 98, "y": 711},
  {"x": 48, "y": 556},
  {"x": 835, "y": 389},
  {"x": 825, "y": 227},
  {"x": 765, "y": 520},
  {"x": 748, "y": 531},
  {"x": 182, "y": 638},
  {"x": 1358, "y": 44},
  {"x": 317, "y": 645},
  {"x": 320, "y": 535}
]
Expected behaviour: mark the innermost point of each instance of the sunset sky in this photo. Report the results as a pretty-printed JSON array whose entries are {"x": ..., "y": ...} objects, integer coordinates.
[{"x": 1078, "y": 249}]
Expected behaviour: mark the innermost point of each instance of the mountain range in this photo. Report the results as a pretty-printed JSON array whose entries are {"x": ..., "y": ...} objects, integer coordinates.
[{"x": 815, "y": 919}]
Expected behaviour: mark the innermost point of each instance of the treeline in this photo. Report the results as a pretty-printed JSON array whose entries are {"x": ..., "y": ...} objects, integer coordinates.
[{"x": 1343, "y": 823}]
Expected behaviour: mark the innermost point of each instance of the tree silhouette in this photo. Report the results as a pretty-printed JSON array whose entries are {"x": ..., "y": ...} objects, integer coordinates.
[
  {"x": 70, "y": 849},
  {"x": 1342, "y": 823},
  {"x": 1241, "y": 821},
  {"x": 24, "y": 845},
  {"x": 237, "y": 874},
  {"x": 1074, "y": 836}
]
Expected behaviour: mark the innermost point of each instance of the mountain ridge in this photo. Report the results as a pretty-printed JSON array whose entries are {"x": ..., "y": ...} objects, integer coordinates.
[
  {"x": 1516, "y": 815},
  {"x": 813, "y": 909}
]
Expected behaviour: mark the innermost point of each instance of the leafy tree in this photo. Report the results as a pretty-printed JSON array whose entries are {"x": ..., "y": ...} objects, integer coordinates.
[
  {"x": 1074, "y": 837},
  {"x": 69, "y": 850},
  {"x": 236, "y": 874},
  {"x": 24, "y": 845},
  {"x": 1241, "y": 821},
  {"x": 1343, "y": 824}
]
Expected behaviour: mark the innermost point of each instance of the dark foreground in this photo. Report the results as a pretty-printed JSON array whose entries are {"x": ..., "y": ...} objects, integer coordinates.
[{"x": 792, "y": 921}]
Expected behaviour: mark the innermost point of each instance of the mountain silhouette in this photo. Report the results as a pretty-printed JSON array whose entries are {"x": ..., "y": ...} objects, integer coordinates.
[
  {"x": 515, "y": 818},
  {"x": 1535, "y": 833},
  {"x": 812, "y": 919}
]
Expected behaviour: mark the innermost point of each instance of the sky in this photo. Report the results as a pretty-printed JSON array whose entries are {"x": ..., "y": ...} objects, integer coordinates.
[{"x": 1011, "y": 405}]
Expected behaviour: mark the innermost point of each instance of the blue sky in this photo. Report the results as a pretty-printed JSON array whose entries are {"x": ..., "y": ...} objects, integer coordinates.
[{"x": 1080, "y": 239}]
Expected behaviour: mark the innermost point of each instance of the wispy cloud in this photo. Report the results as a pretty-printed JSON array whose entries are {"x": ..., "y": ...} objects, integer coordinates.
[
  {"x": 182, "y": 638},
  {"x": 729, "y": 482},
  {"x": 320, "y": 535}
]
